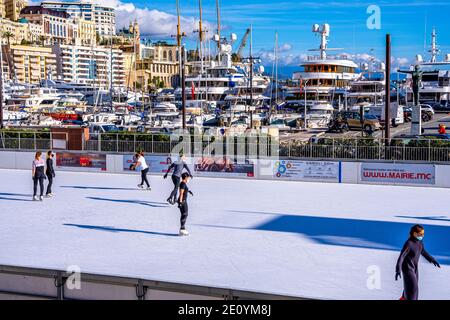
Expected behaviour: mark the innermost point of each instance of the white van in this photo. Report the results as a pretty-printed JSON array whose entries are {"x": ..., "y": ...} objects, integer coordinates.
[{"x": 378, "y": 111}]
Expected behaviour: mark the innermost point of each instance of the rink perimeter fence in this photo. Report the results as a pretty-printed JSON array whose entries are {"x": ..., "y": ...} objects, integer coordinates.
[
  {"x": 255, "y": 147},
  {"x": 47, "y": 284},
  {"x": 354, "y": 161}
]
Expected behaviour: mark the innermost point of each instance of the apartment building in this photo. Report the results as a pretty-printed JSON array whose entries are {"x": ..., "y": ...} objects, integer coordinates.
[
  {"x": 92, "y": 65},
  {"x": 29, "y": 64}
]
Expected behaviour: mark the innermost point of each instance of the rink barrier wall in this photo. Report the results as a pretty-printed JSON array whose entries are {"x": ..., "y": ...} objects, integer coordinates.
[
  {"x": 36, "y": 283},
  {"x": 349, "y": 172}
]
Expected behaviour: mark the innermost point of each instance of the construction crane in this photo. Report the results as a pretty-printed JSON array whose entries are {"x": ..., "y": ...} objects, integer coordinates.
[{"x": 242, "y": 45}]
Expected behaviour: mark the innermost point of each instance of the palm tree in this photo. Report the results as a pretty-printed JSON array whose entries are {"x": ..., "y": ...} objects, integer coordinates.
[{"x": 8, "y": 35}]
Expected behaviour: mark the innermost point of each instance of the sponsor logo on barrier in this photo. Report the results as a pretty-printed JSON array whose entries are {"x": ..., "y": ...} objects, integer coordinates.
[
  {"x": 306, "y": 170},
  {"x": 87, "y": 161},
  {"x": 398, "y": 173}
]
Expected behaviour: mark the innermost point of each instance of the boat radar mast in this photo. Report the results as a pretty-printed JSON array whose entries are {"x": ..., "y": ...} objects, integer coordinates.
[
  {"x": 324, "y": 32},
  {"x": 434, "y": 51},
  {"x": 434, "y": 48}
]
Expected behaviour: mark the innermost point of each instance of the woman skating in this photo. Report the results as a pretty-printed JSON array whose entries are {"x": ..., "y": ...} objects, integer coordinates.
[
  {"x": 141, "y": 165},
  {"x": 38, "y": 175},
  {"x": 50, "y": 173},
  {"x": 177, "y": 167},
  {"x": 408, "y": 263},
  {"x": 182, "y": 203}
]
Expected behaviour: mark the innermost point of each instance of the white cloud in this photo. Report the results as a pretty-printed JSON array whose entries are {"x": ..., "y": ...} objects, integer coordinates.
[
  {"x": 285, "y": 47},
  {"x": 151, "y": 21}
]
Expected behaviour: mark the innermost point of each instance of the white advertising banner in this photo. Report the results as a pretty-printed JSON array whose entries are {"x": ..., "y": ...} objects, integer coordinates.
[
  {"x": 307, "y": 170},
  {"x": 397, "y": 173}
]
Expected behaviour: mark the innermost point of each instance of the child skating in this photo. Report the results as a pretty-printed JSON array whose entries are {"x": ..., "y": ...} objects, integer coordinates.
[{"x": 182, "y": 203}]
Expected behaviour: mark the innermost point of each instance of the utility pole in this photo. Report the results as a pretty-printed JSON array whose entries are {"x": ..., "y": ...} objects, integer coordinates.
[
  {"x": 183, "y": 86},
  {"x": 387, "y": 111}
]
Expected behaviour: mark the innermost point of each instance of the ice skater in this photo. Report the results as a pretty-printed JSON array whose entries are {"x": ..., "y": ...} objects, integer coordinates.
[
  {"x": 38, "y": 175},
  {"x": 141, "y": 165},
  {"x": 182, "y": 203},
  {"x": 50, "y": 173},
  {"x": 177, "y": 167},
  {"x": 408, "y": 263}
]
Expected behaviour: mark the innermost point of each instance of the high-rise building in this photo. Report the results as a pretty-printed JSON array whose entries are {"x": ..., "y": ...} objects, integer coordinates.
[
  {"x": 103, "y": 16},
  {"x": 12, "y": 8},
  {"x": 92, "y": 65}
]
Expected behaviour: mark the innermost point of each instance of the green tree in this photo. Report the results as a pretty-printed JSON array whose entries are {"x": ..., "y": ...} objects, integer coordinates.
[{"x": 8, "y": 36}]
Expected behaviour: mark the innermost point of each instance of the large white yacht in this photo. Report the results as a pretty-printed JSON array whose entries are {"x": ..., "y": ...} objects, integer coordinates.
[
  {"x": 35, "y": 99},
  {"x": 213, "y": 80},
  {"x": 369, "y": 89},
  {"x": 322, "y": 77},
  {"x": 436, "y": 78}
]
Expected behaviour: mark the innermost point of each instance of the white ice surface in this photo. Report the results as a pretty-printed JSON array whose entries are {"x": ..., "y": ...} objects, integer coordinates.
[{"x": 303, "y": 239}]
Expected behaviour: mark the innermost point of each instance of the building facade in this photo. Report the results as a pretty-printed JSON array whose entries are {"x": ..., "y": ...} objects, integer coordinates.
[
  {"x": 156, "y": 66},
  {"x": 57, "y": 26},
  {"x": 29, "y": 64},
  {"x": 18, "y": 32},
  {"x": 90, "y": 65},
  {"x": 103, "y": 16},
  {"x": 12, "y": 8},
  {"x": 84, "y": 32}
]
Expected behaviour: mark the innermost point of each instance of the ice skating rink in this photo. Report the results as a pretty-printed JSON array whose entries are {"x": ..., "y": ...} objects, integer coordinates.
[{"x": 309, "y": 240}]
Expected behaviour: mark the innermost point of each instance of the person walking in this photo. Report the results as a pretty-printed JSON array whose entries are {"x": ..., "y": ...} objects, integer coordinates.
[
  {"x": 178, "y": 167},
  {"x": 50, "y": 173},
  {"x": 141, "y": 165},
  {"x": 408, "y": 263},
  {"x": 38, "y": 175},
  {"x": 442, "y": 129},
  {"x": 182, "y": 203}
]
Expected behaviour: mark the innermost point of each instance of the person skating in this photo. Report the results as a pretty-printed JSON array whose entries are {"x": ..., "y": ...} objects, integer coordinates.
[
  {"x": 408, "y": 263},
  {"x": 50, "y": 173},
  {"x": 38, "y": 175},
  {"x": 182, "y": 203},
  {"x": 141, "y": 165},
  {"x": 177, "y": 167}
]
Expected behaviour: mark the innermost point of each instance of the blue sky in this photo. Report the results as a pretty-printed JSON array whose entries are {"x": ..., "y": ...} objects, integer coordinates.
[{"x": 405, "y": 20}]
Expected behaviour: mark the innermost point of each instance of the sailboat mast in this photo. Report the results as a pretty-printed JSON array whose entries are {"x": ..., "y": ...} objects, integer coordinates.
[
  {"x": 251, "y": 76},
  {"x": 218, "y": 29},
  {"x": 200, "y": 35},
  {"x": 276, "y": 68}
]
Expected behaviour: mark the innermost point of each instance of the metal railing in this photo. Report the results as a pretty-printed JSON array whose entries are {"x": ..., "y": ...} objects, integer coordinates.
[{"x": 434, "y": 151}]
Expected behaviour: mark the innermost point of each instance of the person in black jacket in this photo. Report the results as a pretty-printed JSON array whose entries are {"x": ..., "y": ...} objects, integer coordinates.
[
  {"x": 178, "y": 167},
  {"x": 182, "y": 203},
  {"x": 408, "y": 263},
  {"x": 50, "y": 173}
]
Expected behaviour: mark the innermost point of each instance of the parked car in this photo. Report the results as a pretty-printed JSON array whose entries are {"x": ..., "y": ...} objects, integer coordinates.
[
  {"x": 427, "y": 113},
  {"x": 353, "y": 120},
  {"x": 443, "y": 106}
]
